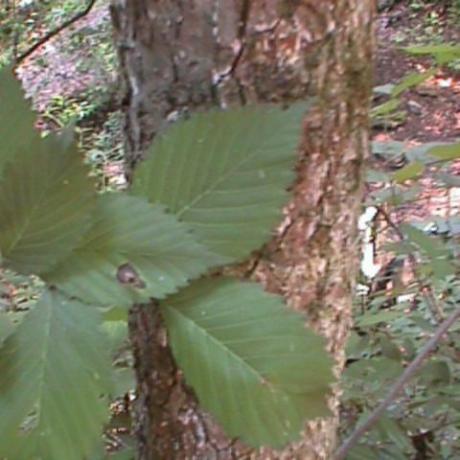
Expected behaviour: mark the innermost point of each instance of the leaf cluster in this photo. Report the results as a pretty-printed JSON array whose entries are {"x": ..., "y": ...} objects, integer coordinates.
[{"x": 209, "y": 194}]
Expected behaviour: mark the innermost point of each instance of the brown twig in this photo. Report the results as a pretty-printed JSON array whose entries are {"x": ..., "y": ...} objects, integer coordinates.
[
  {"x": 15, "y": 34},
  {"x": 408, "y": 373},
  {"x": 54, "y": 32}
]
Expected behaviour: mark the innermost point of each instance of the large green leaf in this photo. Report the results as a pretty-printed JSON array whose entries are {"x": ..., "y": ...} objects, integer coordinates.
[
  {"x": 250, "y": 360},
  {"x": 6, "y": 326},
  {"x": 225, "y": 174},
  {"x": 134, "y": 252},
  {"x": 16, "y": 118},
  {"x": 46, "y": 204},
  {"x": 54, "y": 375}
]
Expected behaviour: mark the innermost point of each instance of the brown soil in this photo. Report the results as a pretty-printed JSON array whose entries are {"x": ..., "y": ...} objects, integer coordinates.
[
  {"x": 433, "y": 109},
  {"x": 54, "y": 71}
]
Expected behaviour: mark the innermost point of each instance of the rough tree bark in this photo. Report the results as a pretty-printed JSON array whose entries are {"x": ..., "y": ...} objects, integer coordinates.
[{"x": 177, "y": 57}]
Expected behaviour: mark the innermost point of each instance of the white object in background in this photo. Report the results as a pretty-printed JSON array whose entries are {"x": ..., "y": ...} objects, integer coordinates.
[{"x": 368, "y": 267}]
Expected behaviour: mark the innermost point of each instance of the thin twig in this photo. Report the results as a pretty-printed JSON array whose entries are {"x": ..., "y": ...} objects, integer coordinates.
[
  {"x": 426, "y": 291},
  {"x": 15, "y": 33},
  {"x": 408, "y": 373},
  {"x": 54, "y": 32}
]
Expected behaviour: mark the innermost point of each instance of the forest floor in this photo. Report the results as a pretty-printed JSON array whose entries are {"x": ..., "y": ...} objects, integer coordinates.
[
  {"x": 429, "y": 112},
  {"x": 432, "y": 109},
  {"x": 67, "y": 65}
]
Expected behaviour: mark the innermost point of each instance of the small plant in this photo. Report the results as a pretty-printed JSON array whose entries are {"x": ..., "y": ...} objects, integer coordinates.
[
  {"x": 416, "y": 5},
  {"x": 455, "y": 11},
  {"x": 208, "y": 195},
  {"x": 62, "y": 111},
  {"x": 60, "y": 12}
]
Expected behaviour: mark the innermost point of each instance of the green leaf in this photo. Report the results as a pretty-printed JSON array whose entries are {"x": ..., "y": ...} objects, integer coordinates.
[
  {"x": 421, "y": 153},
  {"x": 443, "y": 54},
  {"x": 116, "y": 332},
  {"x": 446, "y": 152},
  {"x": 126, "y": 454},
  {"x": 442, "y": 268},
  {"x": 125, "y": 381},
  {"x": 116, "y": 314},
  {"x": 393, "y": 431},
  {"x": 430, "y": 245},
  {"x": 374, "y": 175},
  {"x": 46, "y": 204},
  {"x": 411, "y": 80},
  {"x": 399, "y": 247},
  {"x": 356, "y": 345},
  {"x": 362, "y": 453},
  {"x": 396, "y": 195},
  {"x": 54, "y": 375},
  {"x": 389, "y": 349},
  {"x": 251, "y": 361},
  {"x": 371, "y": 318},
  {"x": 388, "y": 149},
  {"x": 17, "y": 119},
  {"x": 449, "y": 180},
  {"x": 385, "y": 109},
  {"x": 6, "y": 326},
  {"x": 383, "y": 90},
  {"x": 377, "y": 372},
  {"x": 225, "y": 174},
  {"x": 435, "y": 372},
  {"x": 133, "y": 252},
  {"x": 410, "y": 171}
]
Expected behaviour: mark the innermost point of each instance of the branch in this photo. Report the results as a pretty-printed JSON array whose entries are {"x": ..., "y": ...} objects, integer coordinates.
[
  {"x": 408, "y": 373},
  {"x": 54, "y": 32}
]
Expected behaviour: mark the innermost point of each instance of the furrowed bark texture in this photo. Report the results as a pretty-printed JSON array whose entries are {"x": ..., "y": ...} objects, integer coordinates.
[{"x": 178, "y": 57}]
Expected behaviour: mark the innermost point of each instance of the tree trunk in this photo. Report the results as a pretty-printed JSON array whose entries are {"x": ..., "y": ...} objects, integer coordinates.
[{"x": 178, "y": 57}]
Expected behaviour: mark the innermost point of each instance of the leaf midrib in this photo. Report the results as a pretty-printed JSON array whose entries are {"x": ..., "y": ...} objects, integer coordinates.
[
  {"x": 219, "y": 180},
  {"x": 260, "y": 378},
  {"x": 44, "y": 354}
]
